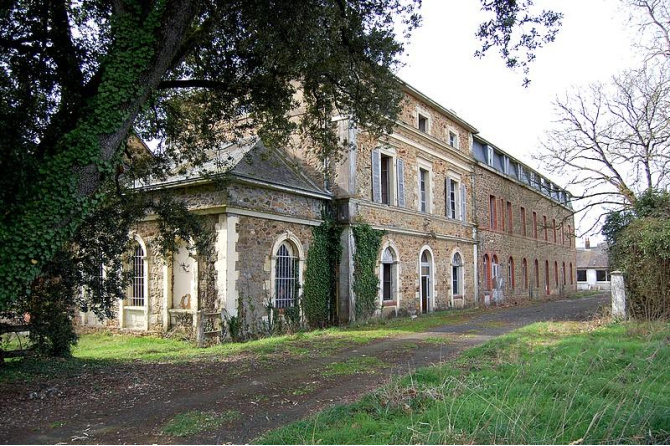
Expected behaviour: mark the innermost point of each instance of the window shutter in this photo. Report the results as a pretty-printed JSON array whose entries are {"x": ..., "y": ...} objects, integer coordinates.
[
  {"x": 449, "y": 189},
  {"x": 463, "y": 216},
  {"x": 400, "y": 166},
  {"x": 376, "y": 176},
  {"x": 352, "y": 133}
]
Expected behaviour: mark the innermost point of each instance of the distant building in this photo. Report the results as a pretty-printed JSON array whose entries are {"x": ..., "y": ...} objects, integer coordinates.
[{"x": 592, "y": 267}]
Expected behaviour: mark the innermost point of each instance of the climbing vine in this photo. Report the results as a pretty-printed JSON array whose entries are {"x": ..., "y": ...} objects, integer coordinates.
[
  {"x": 367, "y": 241},
  {"x": 320, "y": 274}
]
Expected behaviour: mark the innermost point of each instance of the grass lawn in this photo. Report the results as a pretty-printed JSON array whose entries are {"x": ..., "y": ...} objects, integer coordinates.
[
  {"x": 551, "y": 383},
  {"x": 105, "y": 349}
]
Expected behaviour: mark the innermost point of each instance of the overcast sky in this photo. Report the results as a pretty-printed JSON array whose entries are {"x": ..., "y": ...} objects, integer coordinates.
[{"x": 592, "y": 45}]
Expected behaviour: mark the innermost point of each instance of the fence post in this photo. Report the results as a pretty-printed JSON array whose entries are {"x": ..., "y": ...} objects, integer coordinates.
[{"x": 618, "y": 291}]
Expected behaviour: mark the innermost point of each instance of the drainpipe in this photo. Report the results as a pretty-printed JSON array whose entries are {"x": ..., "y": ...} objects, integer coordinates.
[{"x": 475, "y": 236}]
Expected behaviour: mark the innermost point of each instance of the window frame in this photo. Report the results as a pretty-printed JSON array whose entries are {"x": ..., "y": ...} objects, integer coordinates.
[{"x": 426, "y": 200}]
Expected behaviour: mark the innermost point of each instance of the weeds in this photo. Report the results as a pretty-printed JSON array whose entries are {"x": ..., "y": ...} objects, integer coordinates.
[{"x": 555, "y": 383}]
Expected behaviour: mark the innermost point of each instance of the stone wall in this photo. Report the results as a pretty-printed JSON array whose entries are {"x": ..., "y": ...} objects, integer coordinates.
[
  {"x": 503, "y": 242},
  {"x": 408, "y": 248},
  {"x": 256, "y": 239}
]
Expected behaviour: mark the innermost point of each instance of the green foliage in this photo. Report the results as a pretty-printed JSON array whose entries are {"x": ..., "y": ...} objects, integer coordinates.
[
  {"x": 323, "y": 258},
  {"x": 234, "y": 326},
  {"x": 366, "y": 283},
  {"x": 549, "y": 383},
  {"x": 196, "y": 421},
  {"x": 639, "y": 246}
]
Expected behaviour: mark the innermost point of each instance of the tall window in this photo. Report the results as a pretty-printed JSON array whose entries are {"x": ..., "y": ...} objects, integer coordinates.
[
  {"x": 386, "y": 178},
  {"x": 571, "y": 277},
  {"x": 388, "y": 274},
  {"x": 136, "y": 297},
  {"x": 453, "y": 199},
  {"x": 495, "y": 271},
  {"x": 502, "y": 214},
  {"x": 537, "y": 274},
  {"x": 534, "y": 224},
  {"x": 556, "y": 273},
  {"x": 426, "y": 281},
  {"x": 510, "y": 225},
  {"x": 457, "y": 275},
  {"x": 546, "y": 228},
  {"x": 487, "y": 273},
  {"x": 286, "y": 276},
  {"x": 553, "y": 225},
  {"x": 546, "y": 277},
  {"x": 492, "y": 212},
  {"x": 423, "y": 190},
  {"x": 510, "y": 274},
  {"x": 563, "y": 273},
  {"x": 570, "y": 236},
  {"x": 523, "y": 221},
  {"x": 524, "y": 273}
]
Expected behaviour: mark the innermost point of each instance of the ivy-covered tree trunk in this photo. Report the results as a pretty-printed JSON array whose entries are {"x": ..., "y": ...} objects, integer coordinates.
[
  {"x": 78, "y": 161},
  {"x": 366, "y": 282}
]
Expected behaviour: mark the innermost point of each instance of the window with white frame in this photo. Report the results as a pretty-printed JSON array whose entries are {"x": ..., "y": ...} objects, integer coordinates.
[
  {"x": 388, "y": 275},
  {"x": 489, "y": 155},
  {"x": 422, "y": 122},
  {"x": 388, "y": 177},
  {"x": 455, "y": 198},
  {"x": 138, "y": 279},
  {"x": 506, "y": 165},
  {"x": 425, "y": 192},
  {"x": 453, "y": 139},
  {"x": 457, "y": 275},
  {"x": 286, "y": 275}
]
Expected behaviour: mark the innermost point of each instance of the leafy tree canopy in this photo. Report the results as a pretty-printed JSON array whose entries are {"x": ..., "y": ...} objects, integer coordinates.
[{"x": 77, "y": 77}]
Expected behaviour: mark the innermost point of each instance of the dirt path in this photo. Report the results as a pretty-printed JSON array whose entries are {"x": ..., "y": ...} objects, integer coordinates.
[{"x": 131, "y": 403}]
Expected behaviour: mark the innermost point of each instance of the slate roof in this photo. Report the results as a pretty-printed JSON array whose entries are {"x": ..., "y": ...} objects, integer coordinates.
[
  {"x": 246, "y": 159},
  {"x": 593, "y": 257}
]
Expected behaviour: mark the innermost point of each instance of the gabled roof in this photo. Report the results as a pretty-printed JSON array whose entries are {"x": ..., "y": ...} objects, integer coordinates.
[
  {"x": 246, "y": 160},
  {"x": 593, "y": 257}
]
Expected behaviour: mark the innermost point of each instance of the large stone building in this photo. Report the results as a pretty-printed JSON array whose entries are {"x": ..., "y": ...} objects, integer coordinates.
[{"x": 464, "y": 224}]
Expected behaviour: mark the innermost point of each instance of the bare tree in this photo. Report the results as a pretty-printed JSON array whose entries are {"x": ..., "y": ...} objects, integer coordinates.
[
  {"x": 611, "y": 141},
  {"x": 652, "y": 20}
]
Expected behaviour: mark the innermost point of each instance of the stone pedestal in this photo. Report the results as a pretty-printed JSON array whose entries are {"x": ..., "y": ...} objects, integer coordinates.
[{"x": 618, "y": 295}]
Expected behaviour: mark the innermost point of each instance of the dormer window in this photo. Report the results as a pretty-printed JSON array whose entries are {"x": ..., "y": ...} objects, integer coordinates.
[
  {"x": 489, "y": 155},
  {"x": 506, "y": 165},
  {"x": 423, "y": 123}
]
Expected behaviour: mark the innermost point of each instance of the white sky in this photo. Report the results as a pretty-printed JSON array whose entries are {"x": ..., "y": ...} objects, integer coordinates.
[{"x": 593, "y": 44}]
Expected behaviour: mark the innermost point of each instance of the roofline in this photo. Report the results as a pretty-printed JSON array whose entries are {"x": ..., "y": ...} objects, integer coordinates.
[
  {"x": 450, "y": 113},
  {"x": 242, "y": 179},
  {"x": 516, "y": 160}
]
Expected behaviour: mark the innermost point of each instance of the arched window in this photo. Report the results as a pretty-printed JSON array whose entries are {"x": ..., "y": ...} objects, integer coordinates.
[
  {"x": 426, "y": 280},
  {"x": 546, "y": 277},
  {"x": 495, "y": 271},
  {"x": 138, "y": 279},
  {"x": 388, "y": 275},
  {"x": 563, "y": 273},
  {"x": 524, "y": 273},
  {"x": 457, "y": 275},
  {"x": 571, "y": 274},
  {"x": 487, "y": 273},
  {"x": 510, "y": 274},
  {"x": 286, "y": 276}
]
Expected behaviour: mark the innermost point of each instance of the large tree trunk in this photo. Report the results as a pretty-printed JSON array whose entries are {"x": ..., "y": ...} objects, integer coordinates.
[{"x": 68, "y": 186}]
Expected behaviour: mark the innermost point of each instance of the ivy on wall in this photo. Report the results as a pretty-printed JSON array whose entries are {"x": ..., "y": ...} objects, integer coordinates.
[
  {"x": 319, "y": 304},
  {"x": 366, "y": 282}
]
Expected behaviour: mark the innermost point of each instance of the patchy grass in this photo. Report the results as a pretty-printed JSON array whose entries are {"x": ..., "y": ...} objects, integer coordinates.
[
  {"x": 353, "y": 366},
  {"x": 554, "y": 383},
  {"x": 195, "y": 422},
  {"x": 105, "y": 350},
  {"x": 587, "y": 293}
]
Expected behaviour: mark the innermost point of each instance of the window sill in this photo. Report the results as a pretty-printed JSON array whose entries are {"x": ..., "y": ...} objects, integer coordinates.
[{"x": 389, "y": 303}]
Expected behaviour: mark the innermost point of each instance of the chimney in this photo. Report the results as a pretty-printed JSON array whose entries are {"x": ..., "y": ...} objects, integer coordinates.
[{"x": 587, "y": 243}]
